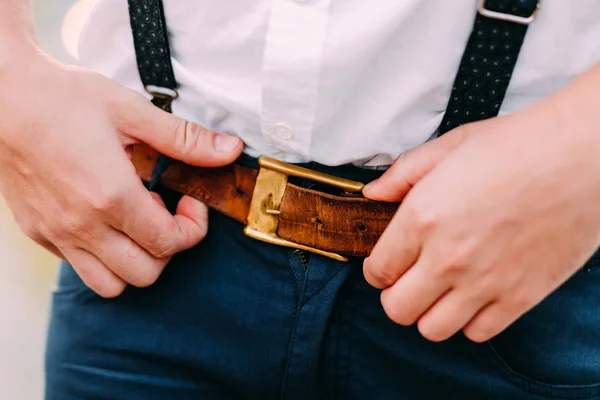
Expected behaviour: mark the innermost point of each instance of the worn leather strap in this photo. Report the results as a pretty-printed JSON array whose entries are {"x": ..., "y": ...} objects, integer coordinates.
[{"x": 346, "y": 225}]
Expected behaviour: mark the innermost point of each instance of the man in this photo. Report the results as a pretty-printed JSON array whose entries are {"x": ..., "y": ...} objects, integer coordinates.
[{"x": 496, "y": 221}]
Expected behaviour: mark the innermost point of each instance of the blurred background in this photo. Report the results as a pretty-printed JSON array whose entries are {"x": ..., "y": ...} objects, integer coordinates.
[{"x": 27, "y": 272}]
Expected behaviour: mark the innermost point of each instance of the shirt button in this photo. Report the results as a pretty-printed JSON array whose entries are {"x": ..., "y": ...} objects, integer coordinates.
[{"x": 283, "y": 131}]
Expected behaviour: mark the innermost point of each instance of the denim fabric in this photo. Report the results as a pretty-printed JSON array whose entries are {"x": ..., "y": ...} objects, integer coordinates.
[{"x": 234, "y": 318}]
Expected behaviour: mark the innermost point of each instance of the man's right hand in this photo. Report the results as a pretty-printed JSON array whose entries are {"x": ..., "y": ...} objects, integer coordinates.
[{"x": 66, "y": 175}]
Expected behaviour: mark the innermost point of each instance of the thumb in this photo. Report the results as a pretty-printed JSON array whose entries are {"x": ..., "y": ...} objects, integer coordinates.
[
  {"x": 412, "y": 166},
  {"x": 180, "y": 139}
]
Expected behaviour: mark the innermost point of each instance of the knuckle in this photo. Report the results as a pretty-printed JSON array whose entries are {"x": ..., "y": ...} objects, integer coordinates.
[
  {"x": 487, "y": 288},
  {"x": 423, "y": 219},
  {"x": 51, "y": 233},
  {"x": 440, "y": 271},
  {"x": 522, "y": 300},
  {"x": 453, "y": 264},
  {"x": 108, "y": 200},
  {"x": 479, "y": 333},
  {"x": 162, "y": 248},
  {"x": 109, "y": 291},
  {"x": 73, "y": 225},
  {"x": 431, "y": 331},
  {"x": 166, "y": 243},
  {"x": 187, "y": 136},
  {"x": 105, "y": 286},
  {"x": 146, "y": 278},
  {"x": 396, "y": 314},
  {"x": 458, "y": 259},
  {"x": 449, "y": 270},
  {"x": 378, "y": 273},
  {"x": 27, "y": 227}
]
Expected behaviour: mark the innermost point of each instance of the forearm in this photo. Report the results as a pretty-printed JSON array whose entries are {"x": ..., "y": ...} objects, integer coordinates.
[
  {"x": 576, "y": 108},
  {"x": 17, "y": 35}
]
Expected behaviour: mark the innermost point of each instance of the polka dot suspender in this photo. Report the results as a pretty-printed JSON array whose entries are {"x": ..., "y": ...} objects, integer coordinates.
[{"x": 488, "y": 61}]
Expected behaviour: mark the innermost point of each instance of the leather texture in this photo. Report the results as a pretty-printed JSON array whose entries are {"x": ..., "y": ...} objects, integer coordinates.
[
  {"x": 349, "y": 226},
  {"x": 346, "y": 225},
  {"x": 487, "y": 65}
]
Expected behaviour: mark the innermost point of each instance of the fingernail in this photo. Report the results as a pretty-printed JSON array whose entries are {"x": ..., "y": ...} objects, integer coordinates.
[
  {"x": 200, "y": 207},
  {"x": 226, "y": 144},
  {"x": 369, "y": 186}
]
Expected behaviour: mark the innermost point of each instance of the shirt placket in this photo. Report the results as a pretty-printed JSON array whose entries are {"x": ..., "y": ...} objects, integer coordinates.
[{"x": 291, "y": 71}]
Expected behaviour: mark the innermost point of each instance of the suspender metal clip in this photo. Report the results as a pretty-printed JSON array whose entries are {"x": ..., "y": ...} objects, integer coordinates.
[
  {"x": 162, "y": 97},
  {"x": 517, "y": 19}
]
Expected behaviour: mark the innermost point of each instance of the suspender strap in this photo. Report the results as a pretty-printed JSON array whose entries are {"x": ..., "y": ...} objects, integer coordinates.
[
  {"x": 488, "y": 61},
  {"x": 151, "y": 42},
  {"x": 153, "y": 55}
]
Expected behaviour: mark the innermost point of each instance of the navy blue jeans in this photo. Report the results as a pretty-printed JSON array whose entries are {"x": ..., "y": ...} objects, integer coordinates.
[{"x": 234, "y": 318}]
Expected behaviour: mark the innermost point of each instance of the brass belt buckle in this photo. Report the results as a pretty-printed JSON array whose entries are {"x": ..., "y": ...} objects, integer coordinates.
[{"x": 263, "y": 217}]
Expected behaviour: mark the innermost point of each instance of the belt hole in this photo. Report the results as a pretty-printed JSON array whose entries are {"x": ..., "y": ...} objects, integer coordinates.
[
  {"x": 361, "y": 226},
  {"x": 239, "y": 191}
]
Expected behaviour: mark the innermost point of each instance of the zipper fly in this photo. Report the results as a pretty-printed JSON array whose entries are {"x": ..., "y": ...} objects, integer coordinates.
[{"x": 303, "y": 258}]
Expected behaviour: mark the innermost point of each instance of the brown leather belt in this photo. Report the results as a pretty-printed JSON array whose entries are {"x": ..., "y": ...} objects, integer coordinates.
[{"x": 279, "y": 212}]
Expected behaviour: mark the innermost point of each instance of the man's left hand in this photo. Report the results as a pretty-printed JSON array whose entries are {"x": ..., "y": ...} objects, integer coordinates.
[{"x": 495, "y": 216}]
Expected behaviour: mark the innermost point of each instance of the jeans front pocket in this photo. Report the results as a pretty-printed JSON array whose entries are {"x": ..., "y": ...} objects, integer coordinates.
[{"x": 554, "y": 350}]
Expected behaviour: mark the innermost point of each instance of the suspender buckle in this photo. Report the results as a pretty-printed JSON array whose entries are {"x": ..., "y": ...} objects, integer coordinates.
[
  {"x": 162, "y": 97},
  {"x": 263, "y": 218},
  {"x": 517, "y": 19}
]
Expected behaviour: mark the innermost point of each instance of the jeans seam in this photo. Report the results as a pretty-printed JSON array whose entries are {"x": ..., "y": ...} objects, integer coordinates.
[{"x": 300, "y": 291}]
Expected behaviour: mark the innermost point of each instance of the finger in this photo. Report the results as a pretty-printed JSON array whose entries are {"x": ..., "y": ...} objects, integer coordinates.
[
  {"x": 449, "y": 314},
  {"x": 158, "y": 199},
  {"x": 413, "y": 294},
  {"x": 50, "y": 247},
  {"x": 129, "y": 260},
  {"x": 490, "y": 321},
  {"x": 412, "y": 166},
  {"x": 151, "y": 226},
  {"x": 194, "y": 213},
  {"x": 394, "y": 253},
  {"x": 94, "y": 273},
  {"x": 178, "y": 138}
]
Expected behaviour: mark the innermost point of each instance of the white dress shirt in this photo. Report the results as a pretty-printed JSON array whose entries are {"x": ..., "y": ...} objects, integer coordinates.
[{"x": 335, "y": 81}]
